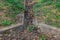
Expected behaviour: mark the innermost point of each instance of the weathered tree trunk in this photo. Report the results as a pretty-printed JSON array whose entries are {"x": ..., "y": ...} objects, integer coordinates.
[{"x": 28, "y": 13}]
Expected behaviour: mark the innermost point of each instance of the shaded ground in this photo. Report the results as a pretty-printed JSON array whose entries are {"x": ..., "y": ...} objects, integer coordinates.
[
  {"x": 48, "y": 32},
  {"x": 40, "y": 32},
  {"x": 45, "y": 32}
]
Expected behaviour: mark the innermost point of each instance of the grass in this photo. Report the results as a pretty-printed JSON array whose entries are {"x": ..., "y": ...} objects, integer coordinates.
[
  {"x": 48, "y": 11},
  {"x": 16, "y": 9},
  {"x": 5, "y": 22},
  {"x": 9, "y": 9}
]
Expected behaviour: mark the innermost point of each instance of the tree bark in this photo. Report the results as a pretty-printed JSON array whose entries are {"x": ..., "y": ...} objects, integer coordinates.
[{"x": 28, "y": 13}]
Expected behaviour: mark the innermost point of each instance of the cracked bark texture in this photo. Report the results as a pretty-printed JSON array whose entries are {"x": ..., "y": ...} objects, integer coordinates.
[{"x": 28, "y": 13}]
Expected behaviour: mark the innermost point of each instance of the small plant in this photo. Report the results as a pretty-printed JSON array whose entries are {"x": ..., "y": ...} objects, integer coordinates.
[
  {"x": 5, "y": 22},
  {"x": 57, "y": 5},
  {"x": 30, "y": 28},
  {"x": 43, "y": 38}
]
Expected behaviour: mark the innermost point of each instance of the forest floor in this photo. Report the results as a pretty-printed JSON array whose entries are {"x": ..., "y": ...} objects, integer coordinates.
[
  {"x": 46, "y": 11},
  {"x": 43, "y": 32}
]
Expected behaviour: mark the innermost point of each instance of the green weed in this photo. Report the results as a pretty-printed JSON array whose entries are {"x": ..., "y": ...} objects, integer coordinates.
[
  {"x": 42, "y": 37},
  {"x": 30, "y": 28},
  {"x": 5, "y": 22}
]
